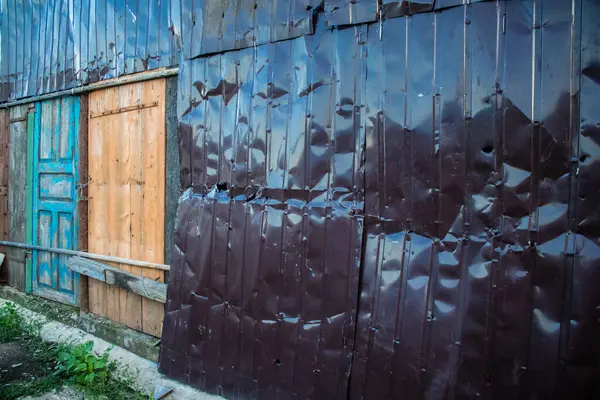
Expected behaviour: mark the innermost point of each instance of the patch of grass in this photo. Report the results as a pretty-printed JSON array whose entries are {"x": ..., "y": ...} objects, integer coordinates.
[
  {"x": 60, "y": 364},
  {"x": 11, "y": 323}
]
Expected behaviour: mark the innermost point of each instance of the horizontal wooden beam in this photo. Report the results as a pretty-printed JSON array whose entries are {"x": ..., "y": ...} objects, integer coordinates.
[
  {"x": 84, "y": 254},
  {"x": 126, "y": 280}
]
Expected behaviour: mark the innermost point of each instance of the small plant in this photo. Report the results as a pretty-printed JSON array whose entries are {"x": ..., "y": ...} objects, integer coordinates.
[
  {"x": 59, "y": 364},
  {"x": 11, "y": 323},
  {"x": 82, "y": 367}
]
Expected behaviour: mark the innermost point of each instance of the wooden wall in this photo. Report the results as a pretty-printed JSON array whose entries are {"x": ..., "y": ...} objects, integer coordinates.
[
  {"x": 17, "y": 194},
  {"x": 4, "y": 136},
  {"x": 126, "y": 194}
]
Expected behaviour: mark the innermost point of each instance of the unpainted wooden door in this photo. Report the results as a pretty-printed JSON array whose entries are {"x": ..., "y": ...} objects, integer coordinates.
[{"x": 126, "y": 208}]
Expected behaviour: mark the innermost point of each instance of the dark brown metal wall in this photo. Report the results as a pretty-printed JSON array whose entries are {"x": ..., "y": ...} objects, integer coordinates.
[
  {"x": 212, "y": 26},
  {"x": 473, "y": 275},
  {"x": 262, "y": 293},
  {"x": 406, "y": 208}
]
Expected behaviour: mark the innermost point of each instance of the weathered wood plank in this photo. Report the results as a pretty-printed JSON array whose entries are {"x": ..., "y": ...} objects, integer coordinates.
[
  {"x": 172, "y": 190},
  {"x": 82, "y": 198},
  {"x": 112, "y": 132},
  {"x": 147, "y": 288},
  {"x": 98, "y": 237},
  {"x": 88, "y": 268},
  {"x": 130, "y": 199},
  {"x": 127, "y": 197},
  {"x": 17, "y": 196},
  {"x": 4, "y": 135},
  {"x": 153, "y": 209}
]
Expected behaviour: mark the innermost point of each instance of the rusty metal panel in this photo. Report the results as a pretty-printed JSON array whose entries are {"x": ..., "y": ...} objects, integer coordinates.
[{"x": 60, "y": 44}]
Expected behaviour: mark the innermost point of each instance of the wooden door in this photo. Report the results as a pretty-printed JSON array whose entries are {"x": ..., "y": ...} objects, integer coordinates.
[
  {"x": 19, "y": 212},
  {"x": 126, "y": 208},
  {"x": 55, "y": 197}
]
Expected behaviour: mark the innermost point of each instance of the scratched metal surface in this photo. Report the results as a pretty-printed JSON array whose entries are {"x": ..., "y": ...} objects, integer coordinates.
[
  {"x": 437, "y": 170},
  {"x": 51, "y": 45}
]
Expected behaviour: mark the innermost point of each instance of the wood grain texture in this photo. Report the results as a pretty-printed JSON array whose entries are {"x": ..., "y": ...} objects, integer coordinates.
[
  {"x": 4, "y": 136},
  {"x": 82, "y": 198},
  {"x": 98, "y": 238},
  {"x": 17, "y": 195},
  {"x": 125, "y": 280},
  {"x": 127, "y": 196},
  {"x": 153, "y": 207}
]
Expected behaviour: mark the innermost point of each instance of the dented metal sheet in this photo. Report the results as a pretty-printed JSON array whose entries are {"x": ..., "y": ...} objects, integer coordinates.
[
  {"x": 263, "y": 282},
  {"x": 352, "y": 12},
  {"x": 212, "y": 26},
  {"x": 53, "y": 45},
  {"x": 448, "y": 155}
]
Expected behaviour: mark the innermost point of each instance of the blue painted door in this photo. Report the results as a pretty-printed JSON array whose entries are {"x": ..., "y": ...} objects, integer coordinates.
[{"x": 55, "y": 197}]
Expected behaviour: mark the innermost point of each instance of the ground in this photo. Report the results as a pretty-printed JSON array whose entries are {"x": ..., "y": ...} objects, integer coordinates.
[
  {"x": 18, "y": 366},
  {"x": 33, "y": 369}
]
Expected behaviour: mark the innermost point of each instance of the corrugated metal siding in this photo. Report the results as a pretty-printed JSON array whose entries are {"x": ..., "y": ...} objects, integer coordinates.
[
  {"x": 50, "y": 45},
  {"x": 466, "y": 136}
]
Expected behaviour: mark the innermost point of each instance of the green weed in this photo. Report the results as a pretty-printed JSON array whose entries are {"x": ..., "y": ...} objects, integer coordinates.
[
  {"x": 11, "y": 323},
  {"x": 60, "y": 364}
]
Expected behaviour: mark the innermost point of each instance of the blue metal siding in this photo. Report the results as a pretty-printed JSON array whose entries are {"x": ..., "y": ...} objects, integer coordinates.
[{"x": 55, "y": 197}]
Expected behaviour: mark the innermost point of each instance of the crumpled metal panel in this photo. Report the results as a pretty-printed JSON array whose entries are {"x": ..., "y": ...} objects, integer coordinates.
[
  {"x": 393, "y": 9},
  {"x": 213, "y": 26},
  {"x": 477, "y": 276},
  {"x": 352, "y": 12},
  {"x": 468, "y": 139},
  {"x": 264, "y": 278},
  {"x": 53, "y": 45}
]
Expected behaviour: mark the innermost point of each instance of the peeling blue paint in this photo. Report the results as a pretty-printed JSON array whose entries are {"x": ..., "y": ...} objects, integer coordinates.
[{"x": 55, "y": 197}]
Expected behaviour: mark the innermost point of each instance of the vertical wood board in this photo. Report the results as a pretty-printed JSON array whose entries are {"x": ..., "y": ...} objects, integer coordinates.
[
  {"x": 126, "y": 206},
  {"x": 17, "y": 195},
  {"x": 82, "y": 209},
  {"x": 4, "y": 135}
]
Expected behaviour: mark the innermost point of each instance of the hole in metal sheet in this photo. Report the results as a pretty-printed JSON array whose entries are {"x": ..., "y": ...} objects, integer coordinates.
[
  {"x": 583, "y": 158},
  {"x": 487, "y": 149},
  {"x": 222, "y": 186},
  {"x": 277, "y": 361}
]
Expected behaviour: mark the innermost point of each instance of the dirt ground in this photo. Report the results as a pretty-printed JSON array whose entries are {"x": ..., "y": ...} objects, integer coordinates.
[{"x": 17, "y": 365}]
